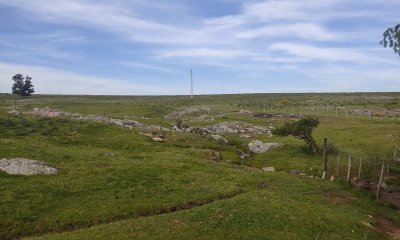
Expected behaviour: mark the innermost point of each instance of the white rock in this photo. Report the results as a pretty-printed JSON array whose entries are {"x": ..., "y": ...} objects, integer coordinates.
[
  {"x": 157, "y": 139},
  {"x": 21, "y": 166},
  {"x": 269, "y": 169},
  {"x": 220, "y": 139},
  {"x": 260, "y": 147}
]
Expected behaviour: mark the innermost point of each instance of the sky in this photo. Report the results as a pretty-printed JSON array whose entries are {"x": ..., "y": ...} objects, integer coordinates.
[{"x": 148, "y": 47}]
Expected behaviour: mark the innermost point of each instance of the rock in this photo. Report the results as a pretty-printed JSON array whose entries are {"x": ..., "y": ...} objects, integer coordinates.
[
  {"x": 204, "y": 117},
  {"x": 157, "y": 139},
  {"x": 219, "y": 139},
  {"x": 22, "y": 166},
  {"x": 246, "y": 112},
  {"x": 214, "y": 155},
  {"x": 269, "y": 169},
  {"x": 332, "y": 179},
  {"x": 15, "y": 112},
  {"x": 243, "y": 136},
  {"x": 260, "y": 147},
  {"x": 235, "y": 127},
  {"x": 297, "y": 172},
  {"x": 110, "y": 154},
  {"x": 130, "y": 124}
]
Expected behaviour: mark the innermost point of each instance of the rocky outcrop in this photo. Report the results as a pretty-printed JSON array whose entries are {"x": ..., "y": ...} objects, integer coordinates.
[
  {"x": 189, "y": 112},
  {"x": 47, "y": 112},
  {"x": 260, "y": 147},
  {"x": 234, "y": 128},
  {"x": 22, "y": 166},
  {"x": 219, "y": 139}
]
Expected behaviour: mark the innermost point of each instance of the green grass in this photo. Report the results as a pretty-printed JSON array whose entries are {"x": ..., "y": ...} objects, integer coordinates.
[{"x": 173, "y": 189}]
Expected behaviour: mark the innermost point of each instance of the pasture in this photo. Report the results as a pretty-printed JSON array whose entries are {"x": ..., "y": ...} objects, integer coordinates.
[{"x": 115, "y": 182}]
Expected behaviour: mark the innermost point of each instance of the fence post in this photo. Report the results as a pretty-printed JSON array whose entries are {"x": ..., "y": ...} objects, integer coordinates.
[
  {"x": 380, "y": 181},
  {"x": 359, "y": 169},
  {"x": 348, "y": 170},
  {"x": 324, "y": 158},
  {"x": 394, "y": 153},
  {"x": 337, "y": 165}
]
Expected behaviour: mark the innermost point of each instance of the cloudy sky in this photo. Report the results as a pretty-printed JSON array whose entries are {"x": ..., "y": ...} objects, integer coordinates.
[{"x": 141, "y": 47}]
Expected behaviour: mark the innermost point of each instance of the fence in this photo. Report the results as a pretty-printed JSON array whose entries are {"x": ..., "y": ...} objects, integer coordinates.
[{"x": 368, "y": 171}]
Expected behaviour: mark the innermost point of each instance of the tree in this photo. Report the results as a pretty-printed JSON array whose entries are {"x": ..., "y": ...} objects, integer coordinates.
[
  {"x": 391, "y": 38},
  {"x": 22, "y": 86},
  {"x": 301, "y": 129}
]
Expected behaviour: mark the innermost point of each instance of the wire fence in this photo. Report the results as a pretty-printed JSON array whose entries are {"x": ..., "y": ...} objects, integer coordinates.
[{"x": 369, "y": 171}]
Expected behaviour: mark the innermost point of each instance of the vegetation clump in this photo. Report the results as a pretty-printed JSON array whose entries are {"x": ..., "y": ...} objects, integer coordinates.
[{"x": 301, "y": 129}]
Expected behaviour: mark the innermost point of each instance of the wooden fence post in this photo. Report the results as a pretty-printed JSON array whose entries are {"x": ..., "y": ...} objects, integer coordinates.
[
  {"x": 348, "y": 170},
  {"x": 380, "y": 181},
  {"x": 337, "y": 165},
  {"x": 359, "y": 169},
  {"x": 324, "y": 158}
]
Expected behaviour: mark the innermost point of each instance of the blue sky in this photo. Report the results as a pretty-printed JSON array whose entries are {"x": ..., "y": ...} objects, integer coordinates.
[{"x": 148, "y": 47}]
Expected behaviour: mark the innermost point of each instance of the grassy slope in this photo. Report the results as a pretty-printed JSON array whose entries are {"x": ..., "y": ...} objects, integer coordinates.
[
  {"x": 293, "y": 209},
  {"x": 144, "y": 178}
]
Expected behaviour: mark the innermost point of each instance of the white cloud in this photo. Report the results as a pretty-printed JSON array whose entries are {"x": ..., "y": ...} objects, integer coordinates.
[
  {"x": 202, "y": 53},
  {"x": 55, "y": 81},
  {"x": 301, "y": 30},
  {"x": 148, "y": 66},
  {"x": 332, "y": 54}
]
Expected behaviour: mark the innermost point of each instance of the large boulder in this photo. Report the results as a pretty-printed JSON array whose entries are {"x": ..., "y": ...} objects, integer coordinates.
[
  {"x": 22, "y": 166},
  {"x": 260, "y": 147}
]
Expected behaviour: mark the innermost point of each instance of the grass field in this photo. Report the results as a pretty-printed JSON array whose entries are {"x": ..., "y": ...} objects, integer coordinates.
[{"x": 173, "y": 190}]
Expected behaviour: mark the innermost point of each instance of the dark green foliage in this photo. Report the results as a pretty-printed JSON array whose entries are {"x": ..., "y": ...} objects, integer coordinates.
[
  {"x": 391, "y": 38},
  {"x": 22, "y": 86},
  {"x": 301, "y": 129}
]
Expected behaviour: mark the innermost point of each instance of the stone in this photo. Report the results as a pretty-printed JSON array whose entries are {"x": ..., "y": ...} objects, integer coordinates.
[
  {"x": 296, "y": 172},
  {"x": 235, "y": 127},
  {"x": 269, "y": 169},
  {"x": 260, "y": 147},
  {"x": 110, "y": 154},
  {"x": 214, "y": 155},
  {"x": 15, "y": 112},
  {"x": 243, "y": 136},
  {"x": 219, "y": 139},
  {"x": 22, "y": 166},
  {"x": 157, "y": 139}
]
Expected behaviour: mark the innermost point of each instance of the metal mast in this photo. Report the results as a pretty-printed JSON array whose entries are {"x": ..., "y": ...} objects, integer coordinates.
[{"x": 191, "y": 83}]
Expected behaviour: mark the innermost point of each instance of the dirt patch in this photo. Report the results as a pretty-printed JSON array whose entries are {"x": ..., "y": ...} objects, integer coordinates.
[
  {"x": 338, "y": 199},
  {"x": 392, "y": 197},
  {"x": 22, "y": 166},
  {"x": 388, "y": 226}
]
